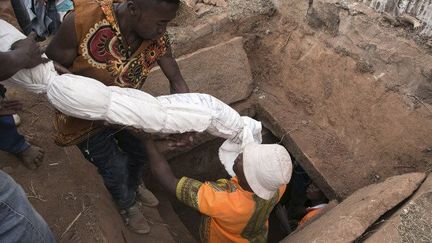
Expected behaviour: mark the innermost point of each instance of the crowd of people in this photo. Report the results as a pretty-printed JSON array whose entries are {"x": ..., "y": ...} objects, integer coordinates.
[{"x": 117, "y": 43}]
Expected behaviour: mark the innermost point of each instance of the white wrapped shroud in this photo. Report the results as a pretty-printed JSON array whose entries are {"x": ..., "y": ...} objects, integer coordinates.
[{"x": 89, "y": 99}]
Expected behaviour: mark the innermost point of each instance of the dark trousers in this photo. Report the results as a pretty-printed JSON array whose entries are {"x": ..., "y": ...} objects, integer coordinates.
[
  {"x": 10, "y": 140},
  {"x": 120, "y": 159}
]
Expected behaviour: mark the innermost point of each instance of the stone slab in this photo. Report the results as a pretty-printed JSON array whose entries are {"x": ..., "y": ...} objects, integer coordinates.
[
  {"x": 411, "y": 223},
  {"x": 355, "y": 107},
  {"x": 282, "y": 122},
  {"x": 347, "y": 221},
  {"x": 222, "y": 71}
]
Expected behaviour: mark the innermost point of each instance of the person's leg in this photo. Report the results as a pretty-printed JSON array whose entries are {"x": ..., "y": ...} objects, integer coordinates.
[
  {"x": 102, "y": 151},
  {"x": 136, "y": 154},
  {"x": 137, "y": 164},
  {"x": 112, "y": 163},
  {"x": 22, "y": 14},
  {"x": 13, "y": 142},
  {"x": 19, "y": 221},
  {"x": 10, "y": 140}
]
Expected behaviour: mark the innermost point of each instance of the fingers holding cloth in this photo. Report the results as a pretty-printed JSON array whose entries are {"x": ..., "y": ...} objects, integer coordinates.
[{"x": 30, "y": 51}]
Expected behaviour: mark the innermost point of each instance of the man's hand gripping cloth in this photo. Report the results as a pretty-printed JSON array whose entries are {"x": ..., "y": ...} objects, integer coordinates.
[{"x": 89, "y": 99}]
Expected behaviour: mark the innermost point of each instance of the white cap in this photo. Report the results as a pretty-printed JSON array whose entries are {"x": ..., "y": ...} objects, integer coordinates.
[{"x": 266, "y": 167}]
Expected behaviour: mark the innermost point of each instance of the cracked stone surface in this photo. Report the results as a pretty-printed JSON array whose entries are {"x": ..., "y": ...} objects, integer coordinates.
[{"x": 348, "y": 220}]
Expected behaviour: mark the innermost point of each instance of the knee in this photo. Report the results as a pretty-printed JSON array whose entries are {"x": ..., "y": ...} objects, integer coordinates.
[
  {"x": 7, "y": 122},
  {"x": 7, "y": 184},
  {"x": 115, "y": 167}
]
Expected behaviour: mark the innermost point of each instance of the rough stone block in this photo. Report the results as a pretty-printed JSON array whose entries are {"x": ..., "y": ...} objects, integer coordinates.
[
  {"x": 282, "y": 123},
  {"x": 203, "y": 29},
  {"x": 323, "y": 15},
  {"x": 412, "y": 223},
  {"x": 347, "y": 221},
  {"x": 222, "y": 71},
  {"x": 351, "y": 128},
  {"x": 219, "y": 21},
  {"x": 276, "y": 3}
]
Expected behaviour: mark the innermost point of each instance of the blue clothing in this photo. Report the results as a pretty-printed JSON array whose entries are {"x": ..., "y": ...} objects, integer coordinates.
[
  {"x": 120, "y": 159},
  {"x": 37, "y": 16},
  {"x": 19, "y": 221},
  {"x": 10, "y": 140},
  {"x": 23, "y": 16}
]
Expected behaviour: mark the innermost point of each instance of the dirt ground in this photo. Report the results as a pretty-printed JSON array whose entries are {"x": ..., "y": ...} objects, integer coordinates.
[
  {"x": 65, "y": 185},
  {"x": 357, "y": 98}
]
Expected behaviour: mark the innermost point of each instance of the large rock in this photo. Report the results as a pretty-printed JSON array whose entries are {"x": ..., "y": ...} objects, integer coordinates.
[
  {"x": 412, "y": 223},
  {"x": 347, "y": 221},
  {"x": 355, "y": 107},
  {"x": 322, "y": 15},
  {"x": 222, "y": 71}
]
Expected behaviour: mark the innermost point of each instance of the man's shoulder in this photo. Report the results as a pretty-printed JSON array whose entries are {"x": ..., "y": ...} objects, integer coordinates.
[
  {"x": 87, "y": 13},
  {"x": 189, "y": 185},
  {"x": 222, "y": 185}
]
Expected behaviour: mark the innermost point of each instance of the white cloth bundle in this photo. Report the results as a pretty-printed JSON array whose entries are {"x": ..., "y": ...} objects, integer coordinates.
[{"x": 89, "y": 99}]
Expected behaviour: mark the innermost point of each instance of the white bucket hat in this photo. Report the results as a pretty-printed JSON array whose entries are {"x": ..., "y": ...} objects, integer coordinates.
[{"x": 266, "y": 167}]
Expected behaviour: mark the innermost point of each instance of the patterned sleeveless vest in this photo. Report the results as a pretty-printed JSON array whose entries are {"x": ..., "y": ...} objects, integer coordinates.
[{"x": 103, "y": 55}]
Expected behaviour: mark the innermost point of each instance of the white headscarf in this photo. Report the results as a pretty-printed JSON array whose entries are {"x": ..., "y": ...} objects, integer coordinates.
[{"x": 266, "y": 167}]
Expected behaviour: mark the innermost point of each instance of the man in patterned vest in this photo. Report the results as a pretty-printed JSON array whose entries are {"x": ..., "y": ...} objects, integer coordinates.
[{"x": 117, "y": 43}]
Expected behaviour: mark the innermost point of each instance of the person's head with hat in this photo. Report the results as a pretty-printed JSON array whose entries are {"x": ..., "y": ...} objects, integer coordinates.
[{"x": 263, "y": 169}]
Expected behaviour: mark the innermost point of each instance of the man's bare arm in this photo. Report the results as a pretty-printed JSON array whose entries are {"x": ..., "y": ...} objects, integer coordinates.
[
  {"x": 63, "y": 49},
  {"x": 160, "y": 167},
  {"x": 171, "y": 70},
  {"x": 9, "y": 64},
  {"x": 24, "y": 53}
]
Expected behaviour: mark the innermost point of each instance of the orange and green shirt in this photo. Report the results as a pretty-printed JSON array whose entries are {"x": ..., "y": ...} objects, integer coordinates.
[
  {"x": 230, "y": 213},
  {"x": 312, "y": 212}
]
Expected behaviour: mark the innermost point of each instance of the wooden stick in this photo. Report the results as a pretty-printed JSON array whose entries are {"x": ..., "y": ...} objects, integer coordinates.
[{"x": 73, "y": 222}]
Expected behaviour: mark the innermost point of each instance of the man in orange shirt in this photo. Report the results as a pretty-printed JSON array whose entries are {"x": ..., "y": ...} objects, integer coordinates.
[
  {"x": 235, "y": 210},
  {"x": 318, "y": 203}
]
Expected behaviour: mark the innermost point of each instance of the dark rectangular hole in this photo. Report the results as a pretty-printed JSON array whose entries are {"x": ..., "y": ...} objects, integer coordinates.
[{"x": 202, "y": 163}]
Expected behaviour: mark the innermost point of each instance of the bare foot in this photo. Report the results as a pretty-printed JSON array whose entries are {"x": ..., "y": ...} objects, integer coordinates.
[{"x": 32, "y": 157}]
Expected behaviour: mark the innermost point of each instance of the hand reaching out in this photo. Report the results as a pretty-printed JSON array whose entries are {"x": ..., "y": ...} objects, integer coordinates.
[
  {"x": 10, "y": 107},
  {"x": 176, "y": 141},
  {"x": 29, "y": 52}
]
